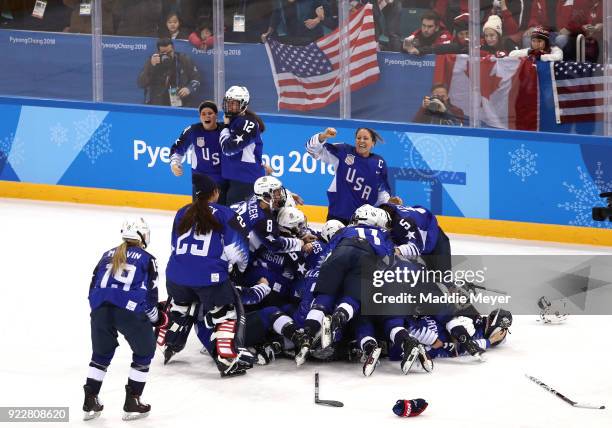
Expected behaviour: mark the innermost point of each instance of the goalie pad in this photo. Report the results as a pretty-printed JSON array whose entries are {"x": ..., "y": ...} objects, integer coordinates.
[{"x": 223, "y": 338}]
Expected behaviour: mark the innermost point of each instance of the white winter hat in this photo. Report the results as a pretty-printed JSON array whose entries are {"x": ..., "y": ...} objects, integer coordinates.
[{"x": 494, "y": 23}]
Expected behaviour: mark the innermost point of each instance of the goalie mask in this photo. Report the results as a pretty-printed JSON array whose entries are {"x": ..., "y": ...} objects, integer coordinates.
[
  {"x": 552, "y": 311},
  {"x": 236, "y": 100},
  {"x": 136, "y": 230},
  {"x": 498, "y": 325},
  {"x": 271, "y": 191}
]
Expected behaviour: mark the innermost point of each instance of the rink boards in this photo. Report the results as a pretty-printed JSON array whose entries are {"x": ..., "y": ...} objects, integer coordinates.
[{"x": 481, "y": 181}]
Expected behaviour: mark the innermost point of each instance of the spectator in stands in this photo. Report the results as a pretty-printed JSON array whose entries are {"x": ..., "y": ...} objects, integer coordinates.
[
  {"x": 190, "y": 12},
  {"x": 437, "y": 109},
  {"x": 202, "y": 37},
  {"x": 290, "y": 24},
  {"x": 246, "y": 21},
  {"x": 169, "y": 78},
  {"x": 80, "y": 19},
  {"x": 538, "y": 16},
  {"x": 137, "y": 17},
  {"x": 459, "y": 44},
  {"x": 51, "y": 15},
  {"x": 389, "y": 12},
  {"x": 492, "y": 44},
  {"x": 541, "y": 49},
  {"x": 430, "y": 34},
  {"x": 580, "y": 17},
  {"x": 173, "y": 29}
]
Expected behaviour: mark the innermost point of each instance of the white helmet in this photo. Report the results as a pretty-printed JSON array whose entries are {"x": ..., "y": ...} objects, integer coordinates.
[
  {"x": 371, "y": 216},
  {"x": 330, "y": 228},
  {"x": 238, "y": 93},
  {"x": 136, "y": 229},
  {"x": 291, "y": 220},
  {"x": 265, "y": 187},
  {"x": 552, "y": 311}
]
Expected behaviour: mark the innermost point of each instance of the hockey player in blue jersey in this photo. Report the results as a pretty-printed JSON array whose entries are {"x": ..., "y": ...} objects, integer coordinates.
[
  {"x": 260, "y": 216},
  {"x": 203, "y": 140},
  {"x": 123, "y": 299},
  {"x": 416, "y": 232},
  {"x": 361, "y": 176},
  {"x": 241, "y": 145},
  {"x": 208, "y": 240},
  {"x": 340, "y": 274}
]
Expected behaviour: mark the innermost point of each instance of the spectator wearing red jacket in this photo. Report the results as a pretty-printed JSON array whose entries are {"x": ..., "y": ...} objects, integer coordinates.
[
  {"x": 459, "y": 44},
  {"x": 430, "y": 34},
  {"x": 581, "y": 17},
  {"x": 202, "y": 37}
]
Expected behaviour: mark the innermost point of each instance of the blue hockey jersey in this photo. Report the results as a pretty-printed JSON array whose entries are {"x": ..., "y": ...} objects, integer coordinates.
[
  {"x": 379, "y": 239},
  {"x": 262, "y": 228},
  {"x": 242, "y": 148},
  {"x": 132, "y": 287},
  {"x": 203, "y": 260},
  {"x": 357, "y": 180},
  {"x": 416, "y": 228},
  {"x": 205, "y": 150}
]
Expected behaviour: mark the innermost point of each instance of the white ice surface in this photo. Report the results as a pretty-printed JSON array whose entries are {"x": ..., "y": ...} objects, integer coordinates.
[{"x": 47, "y": 255}]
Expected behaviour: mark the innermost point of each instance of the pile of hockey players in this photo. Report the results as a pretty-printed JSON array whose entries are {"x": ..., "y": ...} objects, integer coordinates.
[{"x": 300, "y": 295}]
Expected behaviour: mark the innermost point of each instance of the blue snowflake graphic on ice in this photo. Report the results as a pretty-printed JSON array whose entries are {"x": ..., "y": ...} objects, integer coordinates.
[
  {"x": 58, "y": 134},
  {"x": 523, "y": 162},
  {"x": 427, "y": 156},
  {"x": 99, "y": 141},
  {"x": 12, "y": 149},
  {"x": 586, "y": 196}
]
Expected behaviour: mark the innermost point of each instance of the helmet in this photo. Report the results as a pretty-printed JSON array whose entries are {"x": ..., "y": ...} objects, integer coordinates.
[
  {"x": 498, "y": 320},
  {"x": 238, "y": 93},
  {"x": 291, "y": 220},
  {"x": 265, "y": 189},
  {"x": 330, "y": 228},
  {"x": 552, "y": 311},
  {"x": 136, "y": 229},
  {"x": 371, "y": 216}
]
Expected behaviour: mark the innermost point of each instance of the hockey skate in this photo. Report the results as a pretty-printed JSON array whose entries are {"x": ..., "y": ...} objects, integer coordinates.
[
  {"x": 133, "y": 408},
  {"x": 370, "y": 357},
  {"x": 91, "y": 406},
  {"x": 168, "y": 354},
  {"x": 411, "y": 351},
  {"x": 338, "y": 320},
  {"x": 472, "y": 348},
  {"x": 326, "y": 332},
  {"x": 303, "y": 342}
]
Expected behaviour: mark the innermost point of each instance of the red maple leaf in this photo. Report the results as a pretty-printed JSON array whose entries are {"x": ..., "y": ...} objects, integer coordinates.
[{"x": 488, "y": 83}]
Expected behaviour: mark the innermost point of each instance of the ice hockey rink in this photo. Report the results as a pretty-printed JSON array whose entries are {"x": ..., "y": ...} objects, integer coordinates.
[{"x": 47, "y": 255}]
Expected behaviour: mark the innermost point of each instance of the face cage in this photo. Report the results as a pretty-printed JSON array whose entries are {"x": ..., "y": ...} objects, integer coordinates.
[{"x": 241, "y": 106}]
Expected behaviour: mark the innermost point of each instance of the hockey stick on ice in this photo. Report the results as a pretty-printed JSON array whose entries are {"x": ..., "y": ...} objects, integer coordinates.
[
  {"x": 563, "y": 397},
  {"x": 331, "y": 403}
]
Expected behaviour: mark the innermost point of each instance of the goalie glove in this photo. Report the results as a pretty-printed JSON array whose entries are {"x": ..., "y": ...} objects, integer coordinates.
[{"x": 408, "y": 408}]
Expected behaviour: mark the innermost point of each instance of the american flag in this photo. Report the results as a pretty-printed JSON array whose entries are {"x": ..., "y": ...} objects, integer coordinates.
[
  {"x": 307, "y": 77},
  {"x": 579, "y": 91}
]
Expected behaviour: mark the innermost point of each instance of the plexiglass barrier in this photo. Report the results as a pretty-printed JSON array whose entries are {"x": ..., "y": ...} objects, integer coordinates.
[{"x": 542, "y": 65}]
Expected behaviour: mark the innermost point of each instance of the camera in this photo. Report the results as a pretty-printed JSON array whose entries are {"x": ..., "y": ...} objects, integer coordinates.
[
  {"x": 436, "y": 104},
  {"x": 163, "y": 57},
  {"x": 603, "y": 213}
]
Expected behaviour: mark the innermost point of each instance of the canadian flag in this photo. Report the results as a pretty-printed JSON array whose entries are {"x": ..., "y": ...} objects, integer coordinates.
[{"x": 508, "y": 88}]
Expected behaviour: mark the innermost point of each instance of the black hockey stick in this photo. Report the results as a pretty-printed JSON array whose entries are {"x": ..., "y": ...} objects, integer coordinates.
[
  {"x": 563, "y": 397},
  {"x": 331, "y": 403}
]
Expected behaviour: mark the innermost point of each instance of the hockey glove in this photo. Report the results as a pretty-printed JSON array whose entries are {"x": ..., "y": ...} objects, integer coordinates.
[{"x": 408, "y": 408}]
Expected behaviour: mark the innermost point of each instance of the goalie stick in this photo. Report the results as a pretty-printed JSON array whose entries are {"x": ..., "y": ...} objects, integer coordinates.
[
  {"x": 331, "y": 403},
  {"x": 563, "y": 397}
]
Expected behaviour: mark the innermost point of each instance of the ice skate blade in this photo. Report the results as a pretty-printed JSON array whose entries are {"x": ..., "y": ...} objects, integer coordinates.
[
  {"x": 88, "y": 416},
  {"x": 130, "y": 416}
]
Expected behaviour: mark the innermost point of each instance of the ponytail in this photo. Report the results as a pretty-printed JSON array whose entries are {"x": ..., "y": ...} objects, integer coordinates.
[
  {"x": 120, "y": 255},
  {"x": 253, "y": 115},
  {"x": 199, "y": 216}
]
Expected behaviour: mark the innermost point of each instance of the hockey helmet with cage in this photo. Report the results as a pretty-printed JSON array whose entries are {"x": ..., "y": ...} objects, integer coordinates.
[
  {"x": 330, "y": 228},
  {"x": 371, "y": 216},
  {"x": 236, "y": 93},
  {"x": 136, "y": 229},
  {"x": 291, "y": 220},
  {"x": 267, "y": 188}
]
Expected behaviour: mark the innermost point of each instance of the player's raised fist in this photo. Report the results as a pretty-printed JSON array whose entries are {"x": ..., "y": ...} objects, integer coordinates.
[{"x": 328, "y": 133}]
